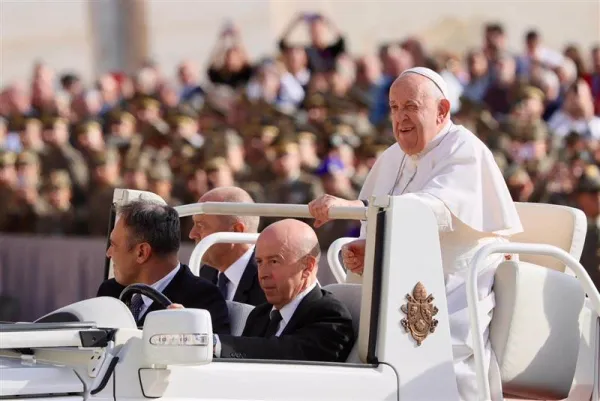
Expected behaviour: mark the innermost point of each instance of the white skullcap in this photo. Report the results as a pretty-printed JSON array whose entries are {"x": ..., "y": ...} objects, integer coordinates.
[{"x": 432, "y": 76}]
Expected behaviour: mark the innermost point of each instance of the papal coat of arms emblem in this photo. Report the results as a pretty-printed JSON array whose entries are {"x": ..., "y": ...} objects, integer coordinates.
[{"x": 419, "y": 310}]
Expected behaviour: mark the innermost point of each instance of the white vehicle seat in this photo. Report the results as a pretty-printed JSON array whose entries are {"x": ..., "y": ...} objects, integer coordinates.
[
  {"x": 535, "y": 330},
  {"x": 238, "y": 313},
  {"x": 350, "y": 295},
  {"x": 561, "y": 226}
]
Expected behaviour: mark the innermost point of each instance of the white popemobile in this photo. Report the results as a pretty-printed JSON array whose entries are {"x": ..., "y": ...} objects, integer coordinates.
[{"x": 544, "y": 331}]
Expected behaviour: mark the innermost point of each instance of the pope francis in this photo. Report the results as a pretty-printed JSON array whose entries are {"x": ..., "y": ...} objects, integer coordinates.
[{"x": 447, "y": 167}]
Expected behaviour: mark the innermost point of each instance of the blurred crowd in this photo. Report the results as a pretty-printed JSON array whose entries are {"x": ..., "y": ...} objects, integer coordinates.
[{"x": 311, "y": 119}]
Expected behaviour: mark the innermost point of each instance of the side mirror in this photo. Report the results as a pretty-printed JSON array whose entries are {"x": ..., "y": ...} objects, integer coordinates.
[{"x": 178, "y": 337}]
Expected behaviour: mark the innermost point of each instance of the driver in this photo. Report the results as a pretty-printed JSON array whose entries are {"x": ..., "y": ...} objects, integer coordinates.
[
  {"x": 143, "y": 247},
  {"x": 299, "y": 321}
]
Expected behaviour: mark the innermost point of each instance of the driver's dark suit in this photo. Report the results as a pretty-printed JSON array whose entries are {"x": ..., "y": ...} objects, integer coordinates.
[{"x": 186, "y": 289}]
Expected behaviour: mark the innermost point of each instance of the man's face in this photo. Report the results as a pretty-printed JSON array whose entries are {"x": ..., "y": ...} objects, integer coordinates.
[
  {"x": 222, "y": 177},
  {"x": 123, "y": 254},
  {"x": 596, "y": 60},
  {"x": 58, "y": 134},
  {"x": 414, "y": 115},
  {"x": 287, "y": 162},
  {"x": 478, "y": 64},
  {"x": 234, "y": 59},
  {"x": 205, "y": 225},
  {"x": 495, "y": 39},
  {"x": 589, "y": 203},
  {"x": 8, "y": 175},
  {"x": 318, "y": 31},
  {"x": 280, "y": 270}
]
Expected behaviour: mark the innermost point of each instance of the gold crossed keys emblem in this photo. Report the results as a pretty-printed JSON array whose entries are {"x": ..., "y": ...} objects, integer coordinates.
[{"x": 419, "y": 310}]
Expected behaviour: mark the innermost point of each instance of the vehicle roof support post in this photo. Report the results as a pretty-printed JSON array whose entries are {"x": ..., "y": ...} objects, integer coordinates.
[{"x": 416, "y": 339}]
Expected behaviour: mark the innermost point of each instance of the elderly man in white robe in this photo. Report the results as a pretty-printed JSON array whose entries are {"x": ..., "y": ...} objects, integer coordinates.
[{"x": 448, "y": 168}]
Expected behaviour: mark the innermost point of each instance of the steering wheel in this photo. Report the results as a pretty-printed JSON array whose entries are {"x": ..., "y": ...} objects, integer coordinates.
[{"x": 146, "y": 290}]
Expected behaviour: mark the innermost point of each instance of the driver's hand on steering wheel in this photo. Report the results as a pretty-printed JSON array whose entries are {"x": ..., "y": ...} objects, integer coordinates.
[{"x": 175, "y": 306}]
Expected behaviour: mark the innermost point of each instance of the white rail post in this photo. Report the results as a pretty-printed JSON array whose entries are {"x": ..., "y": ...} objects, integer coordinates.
[
  {"x": 217, "y": 238},
  {"x": 333, "y": 260},
  {"x": 268, "y": 210}
]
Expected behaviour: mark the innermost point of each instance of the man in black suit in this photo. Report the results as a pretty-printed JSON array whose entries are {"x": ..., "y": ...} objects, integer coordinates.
[
  {"x": 300, "y": 321},
  {"x": 230, "y": 266},
  {"x": 143, "y": 247}
]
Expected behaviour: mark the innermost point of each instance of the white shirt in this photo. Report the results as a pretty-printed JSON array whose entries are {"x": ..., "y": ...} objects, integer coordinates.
[
  {"x": 159, "y": 286},
  {"x": 289, "y": 309},
  {"x": 235, "y": 272},
  {"x": 287, "y": 312}
]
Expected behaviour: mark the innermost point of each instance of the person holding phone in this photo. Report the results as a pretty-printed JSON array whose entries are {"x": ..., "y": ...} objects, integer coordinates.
[
  {"x": 230, "y": 64},
  {"x": 321, "y": 53}
]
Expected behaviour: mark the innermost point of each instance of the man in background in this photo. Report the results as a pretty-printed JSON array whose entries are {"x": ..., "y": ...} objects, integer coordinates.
[{"x": 231, "y": 266}]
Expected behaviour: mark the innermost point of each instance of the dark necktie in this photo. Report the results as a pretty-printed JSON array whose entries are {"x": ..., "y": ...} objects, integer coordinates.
[
  {"x": 136, "y": 305},
  {"x": 222, "y": 282},
  {"x": 275, "y": 319}
]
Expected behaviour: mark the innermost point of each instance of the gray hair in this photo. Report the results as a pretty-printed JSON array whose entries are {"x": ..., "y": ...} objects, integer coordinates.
[{"x": 151, "y": 222}]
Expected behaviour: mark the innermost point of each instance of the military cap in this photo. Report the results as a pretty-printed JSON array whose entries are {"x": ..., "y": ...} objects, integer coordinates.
[
  {"x": 284, "y": 147},
  {"x": 138, "y": 162},
  {"x": 182, "y": 114},
  {"x": 181, "y": 119},
  {"x": 187, "y": 151},
  {"x": 215, "y": 164},
  {"x": 118, "y": 116},
  {"x": 160, "y": 172},
  {"x": 27, "y": 157},
  {"x": 148, "y": 102},
  {"x": 58, "y": 179},
  {"x": 50, "y": 121},
  {"x": 270, "y": 131},
  {"x": 315, "y": 100},
  {"x": 531, "y": 92},
  {"x": 307, "y": 135},
  {"x": 34, "y": 121},
  {"x": 589, "y": 182},
  {"x": 86, "y": 126},
  {"x": 103, "y": 158},
  {"x": 7, "y": 158},
  {"x": 230, "y": 137},
  {"x": 344, "y": 134}
]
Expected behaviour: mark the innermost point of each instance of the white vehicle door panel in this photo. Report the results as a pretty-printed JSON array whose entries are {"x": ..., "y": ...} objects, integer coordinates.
[
  {"x": 270, "y": 381},
  {"x": 22, "y": 379}
]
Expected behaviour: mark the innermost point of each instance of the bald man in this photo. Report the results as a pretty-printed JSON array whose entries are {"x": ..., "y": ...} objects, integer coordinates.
[
  {"x": 449, "y": 169},
  {"x": 230, "y": 266},
  {"x": 300, "y": 321}
]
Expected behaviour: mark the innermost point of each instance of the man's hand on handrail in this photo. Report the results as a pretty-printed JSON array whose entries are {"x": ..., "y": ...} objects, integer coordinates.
[{"x": 320, "y": 207}]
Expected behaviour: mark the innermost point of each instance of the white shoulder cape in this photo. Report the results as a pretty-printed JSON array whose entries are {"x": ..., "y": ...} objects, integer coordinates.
[{"x": 460, "y": 171}]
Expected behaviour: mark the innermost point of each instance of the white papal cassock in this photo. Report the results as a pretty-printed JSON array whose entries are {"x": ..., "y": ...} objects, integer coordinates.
[{"x": 457, "y": 176}]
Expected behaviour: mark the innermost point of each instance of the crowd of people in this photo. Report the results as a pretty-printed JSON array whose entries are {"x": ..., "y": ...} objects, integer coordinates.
[{"x": 310, "y": 120}]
